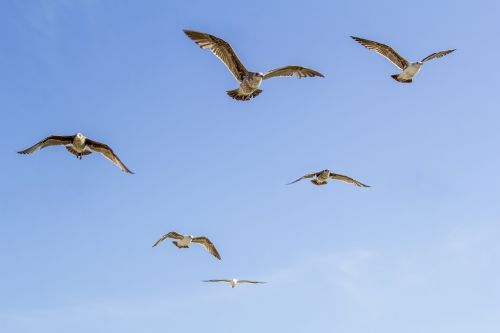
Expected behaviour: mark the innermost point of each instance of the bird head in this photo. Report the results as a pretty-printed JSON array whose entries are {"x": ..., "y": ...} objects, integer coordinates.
[
  {"x": 79, "y": 135},
  {"x": 260, "y": 74}
]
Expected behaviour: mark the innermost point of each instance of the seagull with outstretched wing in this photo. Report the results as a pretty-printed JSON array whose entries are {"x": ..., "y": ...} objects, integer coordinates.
[
  {"x": 322, "y": 177},
  {"x": 249, "y": 81},
  {"x": 408, "y": 69},
  {"x": 79, "y": 146},
  {"x": 182, "y": 242},
  {"x": 234, "y": 282}
]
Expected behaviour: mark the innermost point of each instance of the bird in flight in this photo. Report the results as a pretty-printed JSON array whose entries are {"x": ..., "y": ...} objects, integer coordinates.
[
  {"x": 79, "y": 146},
  {"x": 409, "y": 70},
  {"x": 234, "y": 282},
  {"x": 249, "y": 81},
  {"x": 182, "y": 242},
  {"x": 322, "y": 177}
]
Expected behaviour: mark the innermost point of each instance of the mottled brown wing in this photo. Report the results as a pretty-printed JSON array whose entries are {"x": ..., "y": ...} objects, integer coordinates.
[
  {"x": 384, "y": 50},
  {"x": 53, "y": 140},
  {"x": 107, "y": 152},
  {"x": 310, "y": 175},
  {"x": 347, "y": 180},
  {"x": 298, "y": 71},
  {"x": 437, "y": 55},
  {"x": 222, "y": 50},
  {"x": 207, "y": 244},
  {"x": 171, "y": 234}
]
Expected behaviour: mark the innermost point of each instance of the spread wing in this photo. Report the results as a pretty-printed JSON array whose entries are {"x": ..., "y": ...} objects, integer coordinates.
[
  {"x": 107, "y": 152},
  {"x": 298, "y": 71},
  {"x": 249, "y": 281},
  {"x": 437, "y": 55},
  {"x": 347, "y": 179},
  {"x": 384, "y": 50},
  {"x": 221, "y": 49},
  {"x": 53, "y": 140},
  {"x": 207, "y": 244},
  {"x": 310, "y": 175},
  {"x": 228, "y": 281},
  {"x": 171, "y": 234}
]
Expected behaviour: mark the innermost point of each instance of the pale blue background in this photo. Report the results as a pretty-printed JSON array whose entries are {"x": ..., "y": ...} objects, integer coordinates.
[{"x": 417, "y": 252}]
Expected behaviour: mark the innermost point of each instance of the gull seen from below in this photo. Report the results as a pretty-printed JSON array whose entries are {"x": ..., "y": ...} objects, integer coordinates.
[
  {"x": 234, "y": 282},
  {"x": 79, "y": 146},
  {"x": 182, "y": 242},
  {"x": 249, "y": 81},
  {"x": 322, "y": 177},
  {"x": 409, "y": 70}
]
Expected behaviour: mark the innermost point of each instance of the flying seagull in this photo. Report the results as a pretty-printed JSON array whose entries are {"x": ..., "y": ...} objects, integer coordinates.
[
  {"x": 234, "y": 282},
  {"x": 79, "y": 146},
  {"x": 321, "y": 178},
  {"x": 409, "y": 70},
  {"x": 249, "y": 81},
  {"x": 182, "y": 242}
]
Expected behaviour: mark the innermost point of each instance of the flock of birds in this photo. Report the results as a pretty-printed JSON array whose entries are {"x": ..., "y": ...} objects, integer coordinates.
[{"x": 250, "y": 82}]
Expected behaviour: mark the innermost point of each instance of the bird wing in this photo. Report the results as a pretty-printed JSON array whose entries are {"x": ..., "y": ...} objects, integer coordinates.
[
  {"x": 347, "y": 179},
  {"x": 309, "y": 175},
  {"x": 171, "y": 234},
  {"x": 207, "y": 244},
  {"x": 107, "y": 152},
  {"x": 228, "y": 281},
  {"x": 53, "y": 140},
  {"x": 249, "y": 281},
  {"x": 221, "y": 49},
  {"x": 384, "y": 50},
  {"x": 437, "y": 55},
  {"x": 298, "y": 71}
]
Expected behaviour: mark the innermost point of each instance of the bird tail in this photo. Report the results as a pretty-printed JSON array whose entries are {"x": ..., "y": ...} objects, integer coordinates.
[
  {"x": 396, "y": 77},
  {"x": 237, "y": 95},
  {"x": 176, "y": 244},
  {"x": 74, "y": 152},
  {"x": 317, "y": 182}
]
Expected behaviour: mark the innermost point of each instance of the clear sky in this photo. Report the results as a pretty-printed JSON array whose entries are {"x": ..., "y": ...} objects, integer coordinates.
[{"x": 419, "y": 251}]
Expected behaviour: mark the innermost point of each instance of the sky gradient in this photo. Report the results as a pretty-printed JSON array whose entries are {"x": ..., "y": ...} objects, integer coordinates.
[{"x": 416, "y": 252}]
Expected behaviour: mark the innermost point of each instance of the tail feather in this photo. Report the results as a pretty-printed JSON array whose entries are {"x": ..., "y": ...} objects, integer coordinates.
[
  {"x": 237, "y": 95},
  {"x": 396, "y": 77}
]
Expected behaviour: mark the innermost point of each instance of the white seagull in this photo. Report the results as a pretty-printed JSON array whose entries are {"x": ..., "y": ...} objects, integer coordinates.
[
  {"x": 182, "y": 242},
  {"x": 249, "y": 81},
  {"x": 234, "y": 282},
  {"x": 79, "y": 146},
  {"x": 322, "y": 177},
  {"x": 409, "y": 70}
]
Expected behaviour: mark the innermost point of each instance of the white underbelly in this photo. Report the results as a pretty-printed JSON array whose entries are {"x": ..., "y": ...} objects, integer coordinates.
[{"x": 410, "y": 72}]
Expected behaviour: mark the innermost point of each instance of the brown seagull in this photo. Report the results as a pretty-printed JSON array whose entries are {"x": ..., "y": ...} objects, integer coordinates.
[
  {"x": 249, "y": 81},
  {"x": 79, "y": 146},
  {"x": 321, "y": 178},
  {"x": 182, "y": 242},
  {"x": 409, "y": 70}
]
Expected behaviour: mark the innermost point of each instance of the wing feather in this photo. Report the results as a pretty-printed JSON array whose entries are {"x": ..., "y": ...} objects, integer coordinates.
[
  {"x": 309, "y": 175},
  {"x": 207, "y": 244},
  {"x": 53, "y": 140},
  {"x": 249, "y": 281},
  {"x": 298, "y": 71},
  {"x": 221, "y": 49},
  {"x": 107, "y": 152},
  {"x": 171, "y": 234},
  {"x": 384, "y": 50},
  {"x": 228, "y": 281},
  {"x": 347, "y": 179},
  {"x": 437, "y": 55}
]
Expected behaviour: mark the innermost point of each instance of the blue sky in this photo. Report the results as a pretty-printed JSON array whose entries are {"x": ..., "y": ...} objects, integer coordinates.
[{"x": 417, "y": 252}]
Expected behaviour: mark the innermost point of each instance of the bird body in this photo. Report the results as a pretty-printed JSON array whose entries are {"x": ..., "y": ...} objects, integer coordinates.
[
  {"x": 249, "y": 81},
  {"x": 78, "y": 145},
  {"x": 322, "y": 177},
  {"x": 183, "y": 242},
  {"x": 408, "y": 70}
]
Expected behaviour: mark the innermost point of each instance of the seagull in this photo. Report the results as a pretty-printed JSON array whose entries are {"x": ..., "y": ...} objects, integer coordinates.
[
  {"x": 182, "y": 242},
  {"x": 79, "y": 146},
  {"x": 409, "y": 70},
  {"x": 321, "y": 178},
  {"x": 249, "y": 81},
  {"x": 234, "y": 282}
]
